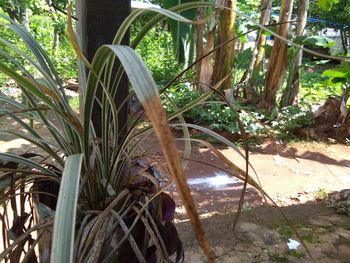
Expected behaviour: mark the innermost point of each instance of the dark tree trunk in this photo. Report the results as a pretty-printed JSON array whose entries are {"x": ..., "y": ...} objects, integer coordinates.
[
  {"x": 344, "y": 41},
  {"x": 98, "y": 24}
]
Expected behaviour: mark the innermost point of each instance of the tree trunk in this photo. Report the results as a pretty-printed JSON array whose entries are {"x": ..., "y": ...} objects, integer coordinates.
[
  {"x": 199, "y": 45},
  {"x": 56, "y": 36},
  {"x": 290, "y": 97},
  {"x": 98, "y": 24},
  {"x": 8, "y": 8},
  {"x": 259, "y": 49},
  {"x": 224, "y": 55},
  {"x": 56, "y": 41},
  {"x": 25, "y": 18},
  {"x": 278, "y": 59},
  {"x": 344, "y": 41},
  {"x": 206, "y": 72}
]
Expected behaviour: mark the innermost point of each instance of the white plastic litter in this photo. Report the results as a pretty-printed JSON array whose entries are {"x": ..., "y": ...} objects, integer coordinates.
[{"x": 293, "y": 244}]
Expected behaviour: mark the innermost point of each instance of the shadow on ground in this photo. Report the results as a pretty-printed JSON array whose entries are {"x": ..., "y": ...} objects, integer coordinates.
[{"x": 263, "y": 235}]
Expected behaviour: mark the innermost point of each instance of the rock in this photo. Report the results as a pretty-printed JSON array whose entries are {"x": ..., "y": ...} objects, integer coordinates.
[
  {"x": 344, "y": 233},
  {"x": 340, "y": 201},
  {"x": 193, "y": 257},
  {"x": 345, "y": 193},
  {"x": 259, "y": 235},
  {"x": 219, "y": 251},
  {"x": 335, "y": 219},
  {"x": 317, "y": 221}
]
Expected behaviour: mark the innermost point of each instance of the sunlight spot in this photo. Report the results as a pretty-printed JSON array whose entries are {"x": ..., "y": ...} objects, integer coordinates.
[
  {"x": 136, "y": 4},
  {"x": 7, "y": 146},
  {"x": 219, "y": 180}
]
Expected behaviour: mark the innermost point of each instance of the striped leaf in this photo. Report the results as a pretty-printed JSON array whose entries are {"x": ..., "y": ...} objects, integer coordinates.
[{"x": 66, "y": 209}]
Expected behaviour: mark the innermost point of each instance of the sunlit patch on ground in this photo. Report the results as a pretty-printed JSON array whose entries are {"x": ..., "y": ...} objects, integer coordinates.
[
  {"x": 6, "y": 146},
  {"x": 219, "y": 180}
]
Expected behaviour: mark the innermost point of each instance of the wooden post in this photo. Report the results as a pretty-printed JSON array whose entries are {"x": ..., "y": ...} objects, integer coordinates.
[{"x": 98, "y": 24}]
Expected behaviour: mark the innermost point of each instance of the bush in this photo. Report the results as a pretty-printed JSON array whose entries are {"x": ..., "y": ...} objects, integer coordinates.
[
  {"x": 213, "y": 112},
  {"x": 291, "y": 118},
  {"x": 217, "y": 115}
]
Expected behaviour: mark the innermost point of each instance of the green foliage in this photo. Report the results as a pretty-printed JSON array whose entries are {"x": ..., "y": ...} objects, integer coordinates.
[
  {"x": 318, "y": 41},
  {"x": 285, "y": 231},
  {"x": 155, "y": 49},
  {"x": 316, "y": 88},
  {"x": 42, "y": 25},
  {"x": 116, "y": 197},
  {"x": 326, "y": 4},
  {"x": 65, "y": 216},
  {"x": 215, "y": 114},
  {"x": 321, "y": 194},
  {"x": 291, "y": 118},
  {"x": 339, "y": 74},
  {"x": 296, "y": 254},
  {"x": 333, "y": 10},
  {"x": 212, "y": 112},
  {"x": 182, "y": 34},
  {"x": 110, "y": 190}
]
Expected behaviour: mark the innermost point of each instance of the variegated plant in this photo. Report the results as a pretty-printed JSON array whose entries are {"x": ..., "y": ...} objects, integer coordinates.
[{"x": 109, "y": 207}]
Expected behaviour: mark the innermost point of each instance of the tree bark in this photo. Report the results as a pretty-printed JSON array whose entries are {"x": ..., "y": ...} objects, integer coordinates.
[
  {"x": 344, "y": 40},
  {"x": 56, "y": 41},
  {"x": 278, "y": 59},
  {"x": 206, "y": 72},
  {"x": 199, "y": 45},
  {"x": 25, "y": 18},
  {"x": 290, "y": 97},
  {"x": 224, "y": 55},
  {"x": 98, "y": 24},
  {"x": 262, "y": 39},
  {"x": 259, "y": 49}
]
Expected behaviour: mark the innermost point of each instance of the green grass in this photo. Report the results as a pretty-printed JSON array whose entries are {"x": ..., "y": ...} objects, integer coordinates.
[
  {"x": 74, "y": 103},
  {"x": 285, "y": 231},
  {"x": 321, "y": 194},
  {"x": 296, "y": 254}
]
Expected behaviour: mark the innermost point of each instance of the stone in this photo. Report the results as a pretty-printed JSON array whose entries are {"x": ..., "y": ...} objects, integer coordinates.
[
  {"x": 317, "y": 221},
  {"x": 340, "y": 201},
  {"x": 335, "y": 219},
  {"x": 344, "y": 233},
  {"x": 345, "y": 193},
  {"x": 259, "y": 235}
]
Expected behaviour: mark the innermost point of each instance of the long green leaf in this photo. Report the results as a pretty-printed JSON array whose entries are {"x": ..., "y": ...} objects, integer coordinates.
[
  {"x": 9, "y": 157},
  {"x": 180, "y": 32},
  {"x": 64, "y": 225}
]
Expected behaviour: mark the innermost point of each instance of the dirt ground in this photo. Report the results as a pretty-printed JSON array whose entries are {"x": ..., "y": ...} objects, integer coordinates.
[{"x": 297, "y": 180}]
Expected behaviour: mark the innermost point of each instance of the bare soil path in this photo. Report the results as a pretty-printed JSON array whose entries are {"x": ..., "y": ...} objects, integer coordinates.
[
  {"x": 297, "y": 179},
  {"x": 296, "y": 184}
]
